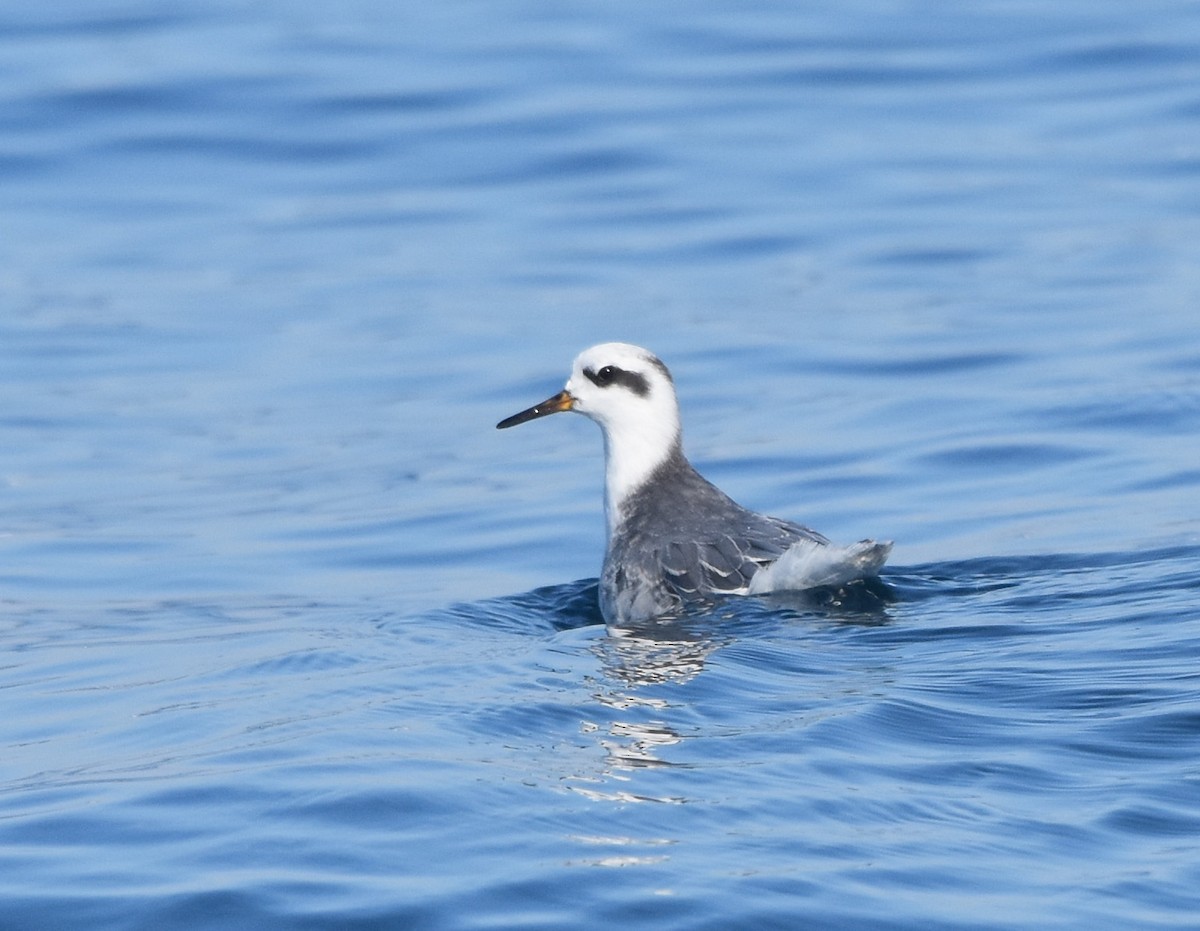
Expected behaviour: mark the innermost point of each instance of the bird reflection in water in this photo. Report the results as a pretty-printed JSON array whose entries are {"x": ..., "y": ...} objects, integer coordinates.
[
  {"x": 659, "y": 650},
  {"x": 639, "y": 660},
  {"x": 675, "y": 648}
]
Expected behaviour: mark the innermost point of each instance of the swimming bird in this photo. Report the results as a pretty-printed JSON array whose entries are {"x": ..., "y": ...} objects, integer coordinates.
[{"x": 674, "y": 538}]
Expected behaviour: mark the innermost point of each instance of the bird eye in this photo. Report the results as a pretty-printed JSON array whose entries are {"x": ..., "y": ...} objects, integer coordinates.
[{"x": 606, "y": 375}]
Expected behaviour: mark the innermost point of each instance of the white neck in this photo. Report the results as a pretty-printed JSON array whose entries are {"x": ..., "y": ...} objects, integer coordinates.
[{"x": 632, "y": 451}]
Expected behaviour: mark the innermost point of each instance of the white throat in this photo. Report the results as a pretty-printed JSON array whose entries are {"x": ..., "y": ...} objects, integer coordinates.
[{"x": 632, "y": 451}]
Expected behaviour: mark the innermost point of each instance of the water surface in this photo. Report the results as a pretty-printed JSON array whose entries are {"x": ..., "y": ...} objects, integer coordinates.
[{"x": 295, "y": 638}]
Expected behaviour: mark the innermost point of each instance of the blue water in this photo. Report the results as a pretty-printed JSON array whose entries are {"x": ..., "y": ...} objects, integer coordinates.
[{"x": 293, "y": 638}]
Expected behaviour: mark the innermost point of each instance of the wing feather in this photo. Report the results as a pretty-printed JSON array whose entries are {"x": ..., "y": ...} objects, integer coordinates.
[{"x": 716, "y": 566}]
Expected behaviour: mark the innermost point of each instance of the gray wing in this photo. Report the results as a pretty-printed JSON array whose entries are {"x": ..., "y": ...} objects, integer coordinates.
[{"x": 726, "y": 564}]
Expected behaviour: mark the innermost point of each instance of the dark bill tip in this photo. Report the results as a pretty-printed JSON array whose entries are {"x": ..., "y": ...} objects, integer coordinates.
[{"x": 560, "y": 402}]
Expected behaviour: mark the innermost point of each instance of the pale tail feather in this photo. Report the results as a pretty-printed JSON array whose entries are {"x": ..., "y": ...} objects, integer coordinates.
[{"x": 808, "y": 564}]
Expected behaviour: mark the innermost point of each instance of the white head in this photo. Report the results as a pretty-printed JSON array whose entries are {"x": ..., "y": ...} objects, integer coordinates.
[{"x": 630, "y": 394}]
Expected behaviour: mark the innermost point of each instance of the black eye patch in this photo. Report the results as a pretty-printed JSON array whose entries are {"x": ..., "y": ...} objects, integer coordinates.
[{"x": 611, "y": 375}]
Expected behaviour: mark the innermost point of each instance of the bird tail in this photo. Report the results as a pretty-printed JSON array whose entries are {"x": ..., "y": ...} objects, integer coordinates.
[{"x": 809, "y": 564}]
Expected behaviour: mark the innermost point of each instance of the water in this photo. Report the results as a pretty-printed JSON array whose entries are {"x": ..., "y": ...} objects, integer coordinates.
[{"x": 294, "y": 638}]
